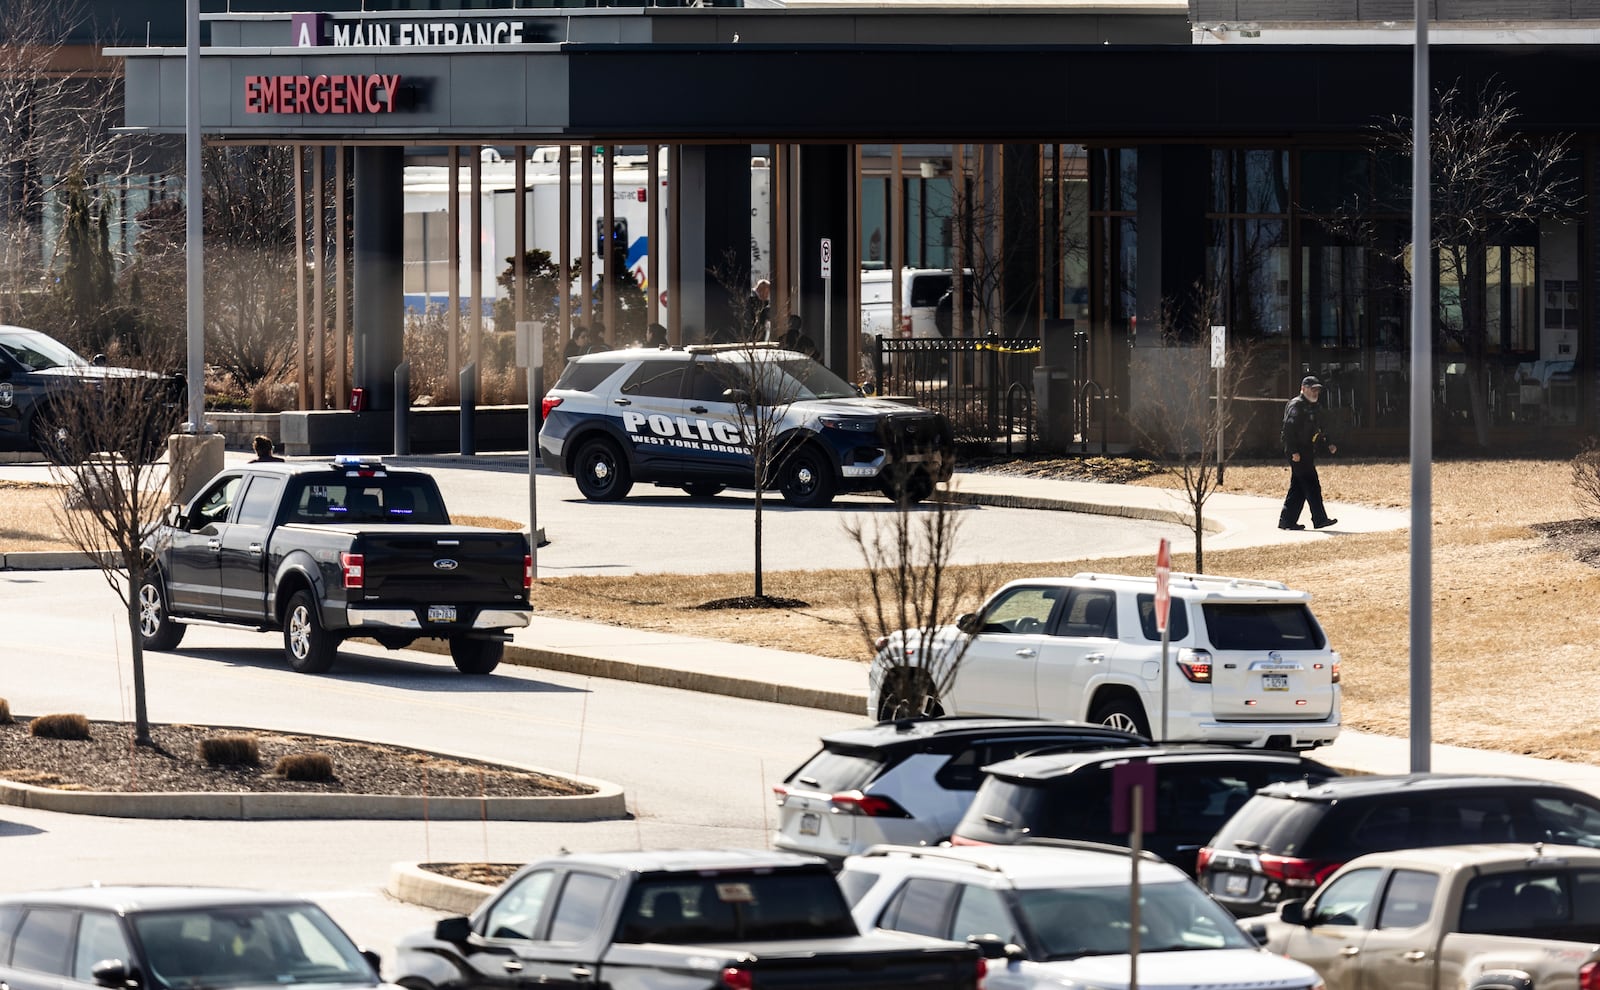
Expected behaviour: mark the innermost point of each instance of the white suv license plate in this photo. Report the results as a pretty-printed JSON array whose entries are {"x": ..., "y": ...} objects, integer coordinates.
[
  {"x": 443, "y": 613},
  {"x": 810, "y": 823},
  {"x": 1274, "y": 682}
]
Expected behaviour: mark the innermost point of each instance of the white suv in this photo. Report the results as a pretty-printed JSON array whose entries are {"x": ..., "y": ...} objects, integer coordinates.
[
  {"x": 1247, "y": 661},
  {"x": 1062, "y": 915}
]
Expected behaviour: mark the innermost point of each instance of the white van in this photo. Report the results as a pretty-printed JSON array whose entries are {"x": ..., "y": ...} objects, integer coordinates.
[{"x": 920, "y": 292}]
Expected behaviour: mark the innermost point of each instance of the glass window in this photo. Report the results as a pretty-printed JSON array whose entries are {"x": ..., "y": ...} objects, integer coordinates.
[
  {"x": 1177, "y": 618},
  {"x": 99, "y": 938},
  {"x": 42, "y": 941},
  {"x": 577, "y": 914},
  {"x": 516, "y": 913},
  {"x": 1409, "y": 899},
  {"x": 1539, "y": 903},
  {"x": 1076, "y": 921},
  {"x": 585, "y": 376},
  {"x": 729, "y": 906},
  {"x": 213, "y": 507},
  {"x": 1287, "y": 626},
  {"x": 921, "y": 907},
  {"x": 1334, "y": 180},
  {"x": 9, "y": 916},
  {"x": 248, "y": 945},
  {"x": 840, "y": 770},
  {"x": 1024, "y": 610},
  {"x": 982, "y": 911},
  {"x": 710, "y": 381},
  {"x": 1346, "y": 900},
  {"x": 1561, "y": 820},
  {"x": 260, "y": 499},
  {"x": 854, "y": 884},
  {"x": 1090, "y": 613},
  {"x": 659, "y": 379}
]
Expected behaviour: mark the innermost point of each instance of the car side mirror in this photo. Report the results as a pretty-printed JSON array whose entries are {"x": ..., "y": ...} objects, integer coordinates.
[
  {"x": 970, "y": 623},
  {"x": 110, "y": 973},
  {"x": 1293, "y": 913},
  {"x": 175, "y": 517},
  {"x": 453, "y": 930},
  {"x": 995, "y": 947},
  {"x": 736, "y": 395},
  {"x": 374, "y": 960},
  {"x": 1255, "y": 932},
  {"x": 99, "y": 361}
]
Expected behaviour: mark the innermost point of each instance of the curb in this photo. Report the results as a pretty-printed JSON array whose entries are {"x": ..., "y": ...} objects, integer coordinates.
[
  {"x": 847, "y": 702},
  {"x": 608, "y": 801},
  {"x": 1002, "y": 501},
  {"x": 47, "y": 560},
  {"x": 409, "y": 882}
]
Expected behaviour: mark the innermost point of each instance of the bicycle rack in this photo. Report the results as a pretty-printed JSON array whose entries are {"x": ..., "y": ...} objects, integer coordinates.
[
  {"x": 1027, "y": 394},
  {"x": 1083, "y": 417}
]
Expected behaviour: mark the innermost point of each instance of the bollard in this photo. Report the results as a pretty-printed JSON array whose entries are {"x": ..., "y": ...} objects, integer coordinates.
[
  {"x": 469, "y": 406},
  {"x": 402, "y": 409}
]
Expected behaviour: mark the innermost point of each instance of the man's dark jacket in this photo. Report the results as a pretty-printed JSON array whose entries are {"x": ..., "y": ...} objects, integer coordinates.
[{"x": 1301, "y": 434}]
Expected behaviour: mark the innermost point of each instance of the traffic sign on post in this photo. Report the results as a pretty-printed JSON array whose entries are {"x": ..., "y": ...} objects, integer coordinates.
[
  {"x": 1219, "y": 347},
  {"x": 827, "y": 257},
  {"x": 1163, "y": 574}
]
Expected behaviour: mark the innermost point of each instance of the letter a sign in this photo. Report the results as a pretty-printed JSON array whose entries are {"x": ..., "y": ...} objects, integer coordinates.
[{"x": 1163, "y": 573}]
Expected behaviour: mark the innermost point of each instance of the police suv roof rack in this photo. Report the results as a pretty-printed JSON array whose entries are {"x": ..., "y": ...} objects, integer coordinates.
[
  {"x": 359, "y": 465},
  {"x": 766, "y": 345}
]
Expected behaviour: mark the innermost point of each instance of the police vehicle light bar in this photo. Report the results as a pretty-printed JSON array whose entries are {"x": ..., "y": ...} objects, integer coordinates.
[{"x": 359, "y": 466}]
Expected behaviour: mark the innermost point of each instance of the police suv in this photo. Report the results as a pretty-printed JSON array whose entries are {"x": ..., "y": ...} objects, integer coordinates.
[{"x": 694, "y": 418}]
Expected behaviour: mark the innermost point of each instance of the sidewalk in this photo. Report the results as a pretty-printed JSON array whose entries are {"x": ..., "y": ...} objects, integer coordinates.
[{"x": 783, "y": 677}]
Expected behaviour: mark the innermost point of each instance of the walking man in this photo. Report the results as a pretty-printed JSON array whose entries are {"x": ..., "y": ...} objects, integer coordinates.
[{"x": 1302, "y": 439}]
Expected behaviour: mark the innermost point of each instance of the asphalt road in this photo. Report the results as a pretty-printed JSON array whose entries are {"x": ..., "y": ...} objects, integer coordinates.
[{"x": 697, "y": 769}]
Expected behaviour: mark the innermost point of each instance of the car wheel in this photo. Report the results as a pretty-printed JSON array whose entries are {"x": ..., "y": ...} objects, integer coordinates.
[
  {"x": 807, "y": 480},
  {"x": 310, "y": 648},
  {"x": 601, "y": 472},
  {"x": 156, "y": 629},
  {"x": 703, "y": 489},
  {"x": 476, "y": 656},
  {"x": 1121, "y": 713}
]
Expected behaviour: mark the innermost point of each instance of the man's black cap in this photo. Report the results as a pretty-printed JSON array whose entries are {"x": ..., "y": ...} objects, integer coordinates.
[{"x": 1310, "y": 381}]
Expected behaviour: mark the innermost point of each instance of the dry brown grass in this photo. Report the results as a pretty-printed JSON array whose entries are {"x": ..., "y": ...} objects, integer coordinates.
[{"x": 1513, "y": 667}]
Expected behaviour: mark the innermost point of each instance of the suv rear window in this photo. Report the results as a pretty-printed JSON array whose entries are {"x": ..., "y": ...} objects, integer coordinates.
[
  {"x": 927, "y": 290},
  {"x": 1272, "y": 824},
  {"x": 842, "y": 770},
  {"x": 1270, "y": 626},
  {"x": 584, "y": 376}
]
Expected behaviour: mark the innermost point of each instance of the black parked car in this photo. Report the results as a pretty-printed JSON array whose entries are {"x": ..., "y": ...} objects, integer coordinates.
[
  {"x": 41, "y": 393},
  {"x": 1290, "y": 837},
  {"x": 1069, "y": 796},
  {"x": 174, "y": 938}
]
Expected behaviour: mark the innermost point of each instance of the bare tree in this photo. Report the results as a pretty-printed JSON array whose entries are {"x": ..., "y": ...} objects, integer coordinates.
[
  {"x": 1490, "y": 181},
  {"x": 52, "y": 120},
  {"x": 108, "y": 458},
  {"x": 912, "y": 594},
  {"x": 1195, "y": 424}
]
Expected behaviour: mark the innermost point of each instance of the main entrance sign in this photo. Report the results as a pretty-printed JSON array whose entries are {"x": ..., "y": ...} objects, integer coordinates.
[{"x": 315, "y": 30}]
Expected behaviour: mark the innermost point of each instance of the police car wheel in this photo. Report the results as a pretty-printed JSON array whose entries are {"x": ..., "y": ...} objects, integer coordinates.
[
  {"x": 807, "y": 480},
  {"x": 703, "y": 489},
  {"x": 601, "y": 473}
]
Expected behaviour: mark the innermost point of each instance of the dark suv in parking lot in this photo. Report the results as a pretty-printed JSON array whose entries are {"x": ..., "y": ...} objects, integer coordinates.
[
  {"x": 1069, "y": 796},
  {"x": 1290, "y": 837}
]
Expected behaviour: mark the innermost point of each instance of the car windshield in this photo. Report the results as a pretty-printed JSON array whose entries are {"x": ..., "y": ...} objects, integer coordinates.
[
  {"x": 727, "y": 907},
  {"x": 36, "y": 352},
  {"x": 207, "y": 948},
  {"x": 1070, "y": 922},
  {"x": 782, "y": 380}
]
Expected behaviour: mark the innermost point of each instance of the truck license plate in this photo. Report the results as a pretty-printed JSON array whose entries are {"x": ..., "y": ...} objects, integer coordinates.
[
  {"x": 810, "y": 824},
  {"x": 1235, "y": 884},
  {"x": 1274, "y": 682},
  {"x": 443, "y": 613}
]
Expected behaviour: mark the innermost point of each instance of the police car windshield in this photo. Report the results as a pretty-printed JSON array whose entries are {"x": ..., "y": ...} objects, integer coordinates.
[
  {"x": 785, "y": 380},
  {"x": 36, "y": 352}
]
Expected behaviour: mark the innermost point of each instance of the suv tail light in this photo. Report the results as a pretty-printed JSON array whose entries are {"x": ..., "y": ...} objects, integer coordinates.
[
  {"x": 735, "y": 978},
  {"x": 527, "y": 571},
  {"x": 867, "y": 805},
  {"x": 983, "y": 974},
  {"x": 353, "y": 565},
  {"x": 1195, "y": 665},
  {"x": 1335, "y": 666},
  {"x": 548, "y": 403},
  {"x": 1202, "y": 859},
  {"x": 1589, "y": 976},
  {"x": 1299, "y": 874}
]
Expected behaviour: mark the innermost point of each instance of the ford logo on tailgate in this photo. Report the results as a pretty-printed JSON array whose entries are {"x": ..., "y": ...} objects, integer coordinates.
[{"x": 445, "y": 564}]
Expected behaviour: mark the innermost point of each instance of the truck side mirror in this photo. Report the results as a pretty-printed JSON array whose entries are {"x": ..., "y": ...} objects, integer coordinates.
[
  {"x": 994, "y": 947},
  {"x": 99, "y": 361},
  {"x": 1292, "y": 912},
  {"x": 110, "y": 973},
  {"x": 970, "y": 623},
  {"x": 175, "y": 519},
  {"x": 453, "y": 930}
]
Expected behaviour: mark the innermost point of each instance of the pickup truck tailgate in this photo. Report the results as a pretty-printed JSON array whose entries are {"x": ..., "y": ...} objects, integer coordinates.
[
  {"x": 424, "y": 563},
  {"x": 880, "y": 961}
]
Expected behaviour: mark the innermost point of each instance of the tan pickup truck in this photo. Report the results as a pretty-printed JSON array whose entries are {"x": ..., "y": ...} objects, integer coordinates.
[{"x": 1480, "y": 917}]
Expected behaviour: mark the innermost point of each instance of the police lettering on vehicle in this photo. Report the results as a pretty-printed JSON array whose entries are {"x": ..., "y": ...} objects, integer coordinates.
[{"x": 681, "y": 431}]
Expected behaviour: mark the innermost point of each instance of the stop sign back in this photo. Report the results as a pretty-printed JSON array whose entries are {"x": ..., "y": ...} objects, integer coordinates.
[{"x": 1163, "y": 573}]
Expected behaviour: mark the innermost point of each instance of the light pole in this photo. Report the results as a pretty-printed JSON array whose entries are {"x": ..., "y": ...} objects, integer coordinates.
[
  {"x": 193, "y": 218},
  {"x": 1421, "y": 410}
]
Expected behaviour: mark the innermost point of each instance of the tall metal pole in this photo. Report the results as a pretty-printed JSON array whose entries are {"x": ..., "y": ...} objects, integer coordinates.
[
  {"x": 193, "y": 219},
  {"x": 1421, "y": 410}
]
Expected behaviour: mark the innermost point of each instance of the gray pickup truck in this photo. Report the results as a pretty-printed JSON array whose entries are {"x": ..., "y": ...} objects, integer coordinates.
[
  {"x": 1511, "y": 916},
  {"x": 676, "y": 920},
  {"x": 326, "y": 551}
]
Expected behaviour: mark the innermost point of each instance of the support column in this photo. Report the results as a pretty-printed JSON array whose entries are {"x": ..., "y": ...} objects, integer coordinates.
[
  {"x": 826, "y": 188},
  {"x": 319, "y": 262},
  {"x": 715, "y": 236},
  {"x": 302, "y": 387},
  {"x": 341, "y": 280},
  {"x": 1019, "y": 267},
  {"x": 379, "y": 265}
]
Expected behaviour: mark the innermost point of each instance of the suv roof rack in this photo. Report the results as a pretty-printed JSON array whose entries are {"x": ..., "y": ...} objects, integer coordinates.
[
  {"x": 1194, "y": 579},
  {"x": 945, "y": 854},
  {"x": 766, "y": 345}
]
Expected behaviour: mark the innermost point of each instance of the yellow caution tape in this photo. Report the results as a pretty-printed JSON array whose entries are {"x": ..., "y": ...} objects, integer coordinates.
[{"x": 1010, "y": 350}]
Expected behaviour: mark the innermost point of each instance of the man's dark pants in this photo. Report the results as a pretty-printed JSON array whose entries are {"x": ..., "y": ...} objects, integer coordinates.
[{"x": 1304, "y": 488}]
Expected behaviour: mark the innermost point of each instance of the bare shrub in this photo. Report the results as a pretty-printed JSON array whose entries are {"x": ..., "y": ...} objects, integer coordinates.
[
  {"x": 5, "y": 712},
  {"x": 305, "y": 766},
  {"x": 274, "y": 395},
  {"x": 237, "y": 750},
  {"x": 59, "y": 727},
  {"x": 1586, "y": 479}
]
